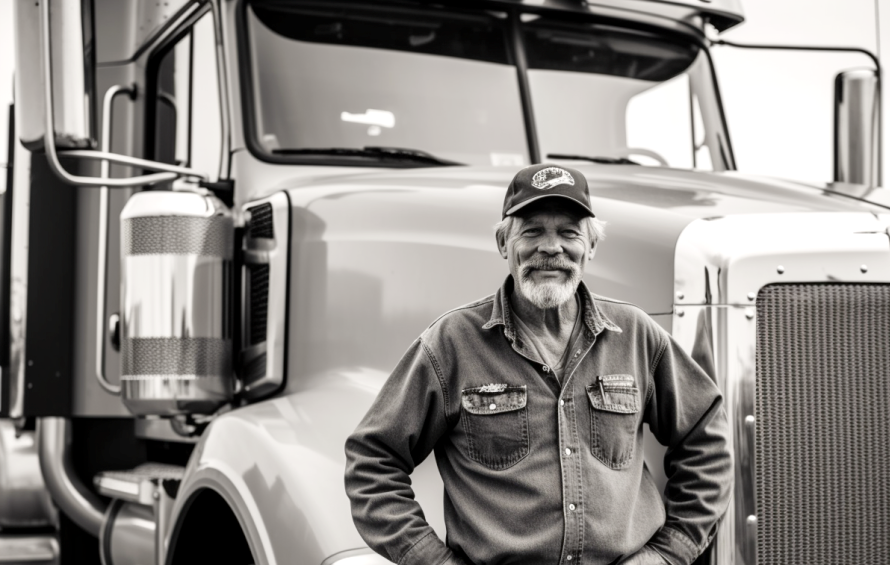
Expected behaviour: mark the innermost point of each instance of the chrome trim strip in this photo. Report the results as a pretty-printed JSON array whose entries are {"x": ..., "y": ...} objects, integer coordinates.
[
  {"x": 222, "y": 77},
  {"x": 102, "y": 271},
  {"x": 721, "y": 339}
]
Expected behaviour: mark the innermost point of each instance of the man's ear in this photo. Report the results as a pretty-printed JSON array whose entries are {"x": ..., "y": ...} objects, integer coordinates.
[
  {"x": 501, "y": 239},
  {"x": 591, "y": 253}
]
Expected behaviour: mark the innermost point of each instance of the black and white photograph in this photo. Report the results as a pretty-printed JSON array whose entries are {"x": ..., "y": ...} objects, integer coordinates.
[{"x": 444, "y": 282}]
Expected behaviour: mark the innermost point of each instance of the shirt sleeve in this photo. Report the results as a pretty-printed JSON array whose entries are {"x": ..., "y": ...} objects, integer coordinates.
[
  {"x": 397, "y": 434},
  {"x": 685, "y": 413}
]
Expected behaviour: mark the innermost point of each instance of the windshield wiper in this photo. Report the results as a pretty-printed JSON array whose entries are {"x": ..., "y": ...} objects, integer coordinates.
[
  {"x": 601, "y": 160},
  {"x": 380, "y": 153}
]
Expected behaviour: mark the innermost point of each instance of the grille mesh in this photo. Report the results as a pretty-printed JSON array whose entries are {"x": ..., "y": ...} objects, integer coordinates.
[
  {"x": 822, "y": 403},
  {"x": 178, "y": 235},
  {"x": 259, "y": 302},
  {"x": 260, "y": 225},
  {"x": 176, "y": 356}
]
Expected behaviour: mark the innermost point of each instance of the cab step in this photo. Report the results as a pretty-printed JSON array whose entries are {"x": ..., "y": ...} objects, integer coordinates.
[
  {"x": 141, "y": 484},
  {"x": 28, "y": 549}
]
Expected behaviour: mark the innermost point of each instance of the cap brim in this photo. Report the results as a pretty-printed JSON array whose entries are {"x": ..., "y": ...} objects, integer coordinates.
[{"x": 522, "y": 205}]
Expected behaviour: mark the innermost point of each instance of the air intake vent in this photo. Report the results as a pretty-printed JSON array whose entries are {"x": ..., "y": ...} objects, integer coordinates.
[
  {"x": 260, "y": 226},
  {"x": 822, "y": 407},
  {"x": 264, "y": 299}
]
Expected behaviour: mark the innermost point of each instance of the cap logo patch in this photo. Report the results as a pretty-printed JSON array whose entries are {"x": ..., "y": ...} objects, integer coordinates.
[{"x": 545, "y": 179}]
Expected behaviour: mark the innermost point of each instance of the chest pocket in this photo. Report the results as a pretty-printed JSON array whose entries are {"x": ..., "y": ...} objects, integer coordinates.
[
  {"x": 495, "y": 419},
  {"x": 614, "y": 405}
]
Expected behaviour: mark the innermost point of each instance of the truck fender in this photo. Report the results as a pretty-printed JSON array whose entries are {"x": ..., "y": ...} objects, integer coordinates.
[{"x": 279, "y": 464}]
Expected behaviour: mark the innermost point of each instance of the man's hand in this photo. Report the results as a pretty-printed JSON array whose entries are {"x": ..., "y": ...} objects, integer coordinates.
[{"x": 645, "y": 556}]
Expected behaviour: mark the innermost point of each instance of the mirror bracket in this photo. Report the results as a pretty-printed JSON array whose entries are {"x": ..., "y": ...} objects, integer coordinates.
[{"x": 166, "y": 172}]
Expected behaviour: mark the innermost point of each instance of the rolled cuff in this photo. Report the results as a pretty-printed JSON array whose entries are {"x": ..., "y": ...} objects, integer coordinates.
[
  {"x": 675, "y": 546},
  {"x": 428, "y": 550}
]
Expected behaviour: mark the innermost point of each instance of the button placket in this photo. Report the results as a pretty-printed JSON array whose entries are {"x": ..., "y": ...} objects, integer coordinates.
[
  {"x": 574, "y": 489},
  {"x": 570, "y": 461}
]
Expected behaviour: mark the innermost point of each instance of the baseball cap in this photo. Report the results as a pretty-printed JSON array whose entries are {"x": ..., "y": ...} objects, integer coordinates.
[{"x": 546, "y": 181}]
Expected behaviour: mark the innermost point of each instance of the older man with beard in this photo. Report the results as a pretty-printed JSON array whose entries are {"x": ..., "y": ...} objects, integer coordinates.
[{"x": 534, "y": 400}]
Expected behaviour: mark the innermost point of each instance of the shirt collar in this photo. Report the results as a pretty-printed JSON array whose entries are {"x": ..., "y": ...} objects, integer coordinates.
[{"x": 595, "y": 320}]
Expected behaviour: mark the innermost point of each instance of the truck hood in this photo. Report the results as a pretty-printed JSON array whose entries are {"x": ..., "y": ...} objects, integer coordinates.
[
  {"x": 693, "y": 194},
  {"x": 456, "y": 207}
]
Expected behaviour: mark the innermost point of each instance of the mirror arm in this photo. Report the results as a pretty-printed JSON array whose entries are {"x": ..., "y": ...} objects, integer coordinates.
[
  {"x": 866, "y": 52},
  {"x": 170, "y": 172},
  {"x": 176, "y": 170}
]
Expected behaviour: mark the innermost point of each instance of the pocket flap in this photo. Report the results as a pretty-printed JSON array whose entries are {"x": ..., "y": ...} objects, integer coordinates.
[
  {"x": 621, "y": 395},
  {"x": 493, "y": 399}
]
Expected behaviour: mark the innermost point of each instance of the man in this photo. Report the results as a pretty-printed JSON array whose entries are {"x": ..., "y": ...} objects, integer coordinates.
[{"x": 533, "y": 400}]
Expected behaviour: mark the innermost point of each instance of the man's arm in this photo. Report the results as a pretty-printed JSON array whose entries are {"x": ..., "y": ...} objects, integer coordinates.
[
  {"x": 685, "y": 412},
  {"x": 396, "y": 435}
]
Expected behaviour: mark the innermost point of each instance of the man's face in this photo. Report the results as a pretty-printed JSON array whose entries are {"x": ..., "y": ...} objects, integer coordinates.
[{"x": 546, "y": 250}]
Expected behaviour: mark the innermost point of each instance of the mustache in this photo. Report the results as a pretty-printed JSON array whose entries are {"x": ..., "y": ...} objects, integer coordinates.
[{"x": 548, "y": 264}]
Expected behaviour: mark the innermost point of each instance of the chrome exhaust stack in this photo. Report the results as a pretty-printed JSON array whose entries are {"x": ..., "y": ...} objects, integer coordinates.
[{"x": 67, "y": 491}]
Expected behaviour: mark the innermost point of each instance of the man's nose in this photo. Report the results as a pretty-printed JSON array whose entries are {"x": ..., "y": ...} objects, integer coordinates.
[{"x": 550, "y": 245}]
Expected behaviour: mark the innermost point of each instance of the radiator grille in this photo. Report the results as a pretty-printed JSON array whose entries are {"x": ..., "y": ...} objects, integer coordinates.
[{"x": 822, "y": 406}]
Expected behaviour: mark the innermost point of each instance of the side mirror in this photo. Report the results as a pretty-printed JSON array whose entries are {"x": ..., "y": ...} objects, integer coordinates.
[
  {"x": 857, "y": 139},
  {"x": 73, "y": 74}
]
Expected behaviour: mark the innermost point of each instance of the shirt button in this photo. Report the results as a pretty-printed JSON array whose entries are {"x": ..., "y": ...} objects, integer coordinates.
[
  {"x": 562, "y": 402},
  {"x": 492, "y": 406},
  {"x": 571, "y": 506},
  {"x": 568, "y": 557},
  {"x": 546, "y": 369},
  {"x": 568, "y": 451}
]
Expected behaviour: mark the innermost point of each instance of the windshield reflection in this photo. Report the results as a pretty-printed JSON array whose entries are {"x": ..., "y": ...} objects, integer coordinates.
[{"x": 444, "y": 81}]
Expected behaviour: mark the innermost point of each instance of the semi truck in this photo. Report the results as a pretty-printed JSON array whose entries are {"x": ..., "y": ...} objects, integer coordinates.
[{"x": 225, "y": 220}]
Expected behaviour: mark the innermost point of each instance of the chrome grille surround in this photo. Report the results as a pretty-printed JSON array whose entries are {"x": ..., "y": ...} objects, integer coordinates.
[{"x": 721, "y": 264}]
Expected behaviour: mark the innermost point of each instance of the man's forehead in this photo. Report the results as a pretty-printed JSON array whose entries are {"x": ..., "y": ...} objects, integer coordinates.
[{"x": 556, "y": 215}]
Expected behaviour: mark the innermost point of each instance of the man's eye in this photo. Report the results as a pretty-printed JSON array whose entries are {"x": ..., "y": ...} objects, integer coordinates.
[
  {"x": 571, "y": 233},
  {"x": 531, "y": 231}
]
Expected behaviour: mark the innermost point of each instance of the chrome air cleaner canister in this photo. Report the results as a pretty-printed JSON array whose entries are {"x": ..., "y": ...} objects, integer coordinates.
[{"x": 176, "y": 273}]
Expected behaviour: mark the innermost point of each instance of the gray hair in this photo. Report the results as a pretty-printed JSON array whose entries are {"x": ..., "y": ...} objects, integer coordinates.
[{"x": 596, "y": 229}]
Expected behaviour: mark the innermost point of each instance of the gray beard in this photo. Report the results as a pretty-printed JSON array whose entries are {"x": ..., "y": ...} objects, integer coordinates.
[{"x": 548, "y": 295}]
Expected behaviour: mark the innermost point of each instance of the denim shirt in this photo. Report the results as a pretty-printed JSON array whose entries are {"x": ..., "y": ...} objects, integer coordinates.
[{"x": 534, "y": 472}]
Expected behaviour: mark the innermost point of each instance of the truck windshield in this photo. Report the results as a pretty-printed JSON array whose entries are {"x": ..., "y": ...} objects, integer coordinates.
[{"x": 331, "y": 79}]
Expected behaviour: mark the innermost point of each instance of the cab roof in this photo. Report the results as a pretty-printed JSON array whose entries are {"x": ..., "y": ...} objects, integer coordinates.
[{"x": 722, "y": 14}]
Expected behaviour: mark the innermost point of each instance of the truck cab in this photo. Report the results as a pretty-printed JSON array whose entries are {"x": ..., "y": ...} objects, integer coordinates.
[{"x": 228, "y": 219}]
